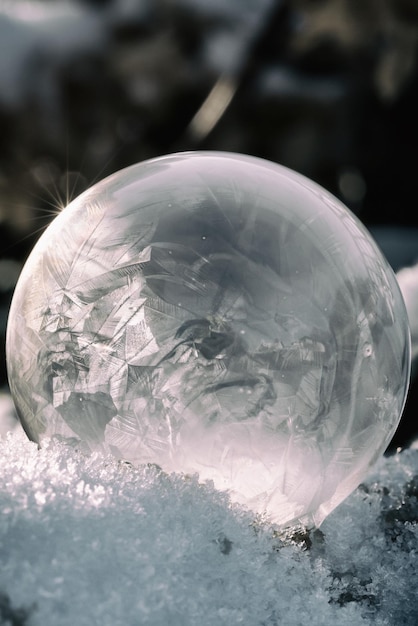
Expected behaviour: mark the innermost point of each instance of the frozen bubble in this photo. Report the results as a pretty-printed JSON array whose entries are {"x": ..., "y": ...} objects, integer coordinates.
[{"x": 217, "y": 314}]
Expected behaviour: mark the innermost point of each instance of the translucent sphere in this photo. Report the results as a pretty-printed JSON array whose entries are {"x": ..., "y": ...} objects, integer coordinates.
[{"x": 217, "y": 314}]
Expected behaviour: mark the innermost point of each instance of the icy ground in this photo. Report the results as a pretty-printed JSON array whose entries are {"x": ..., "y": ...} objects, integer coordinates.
[{"x": 92, "y": 541}]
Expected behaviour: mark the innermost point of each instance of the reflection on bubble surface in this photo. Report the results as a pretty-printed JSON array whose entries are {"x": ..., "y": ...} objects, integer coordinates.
[{"x": 219, "y": 314}]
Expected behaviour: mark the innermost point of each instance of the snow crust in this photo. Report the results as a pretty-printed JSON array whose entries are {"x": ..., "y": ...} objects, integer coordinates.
[{"x": 90, "y": 540}]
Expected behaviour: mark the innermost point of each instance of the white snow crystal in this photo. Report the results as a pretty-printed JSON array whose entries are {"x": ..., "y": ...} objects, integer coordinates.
[{"x": 89, "y": 540}]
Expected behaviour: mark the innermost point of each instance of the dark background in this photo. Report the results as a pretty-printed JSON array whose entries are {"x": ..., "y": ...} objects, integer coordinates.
[{"x": 326, "y": 87}]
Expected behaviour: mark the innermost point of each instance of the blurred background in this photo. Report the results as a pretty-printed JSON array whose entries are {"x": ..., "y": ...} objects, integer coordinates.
[{"x": 326, "y": 87}]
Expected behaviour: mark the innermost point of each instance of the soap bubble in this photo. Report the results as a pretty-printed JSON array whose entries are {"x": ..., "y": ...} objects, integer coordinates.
[{"x": 215, "y": 314}]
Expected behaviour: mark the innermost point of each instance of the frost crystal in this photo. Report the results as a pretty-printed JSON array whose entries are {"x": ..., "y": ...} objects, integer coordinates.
[{"x": 214, "y": 314}]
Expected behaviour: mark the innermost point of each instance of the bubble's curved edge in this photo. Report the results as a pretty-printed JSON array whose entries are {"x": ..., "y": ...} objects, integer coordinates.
[{"x": 296, "y": 178}]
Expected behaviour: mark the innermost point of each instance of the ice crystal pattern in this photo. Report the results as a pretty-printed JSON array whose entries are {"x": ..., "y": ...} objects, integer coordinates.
[{"x": 215, "y": 314}]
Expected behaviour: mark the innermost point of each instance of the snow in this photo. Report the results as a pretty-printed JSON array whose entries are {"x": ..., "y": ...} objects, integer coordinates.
[
  {"x": 36, "y": 42},
  {"x": 408, "y": 282},
  {"x": 90, "y": 540}
]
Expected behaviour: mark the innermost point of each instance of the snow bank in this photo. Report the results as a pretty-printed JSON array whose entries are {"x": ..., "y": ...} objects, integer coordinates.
[{"x": 89, "y": 540}]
